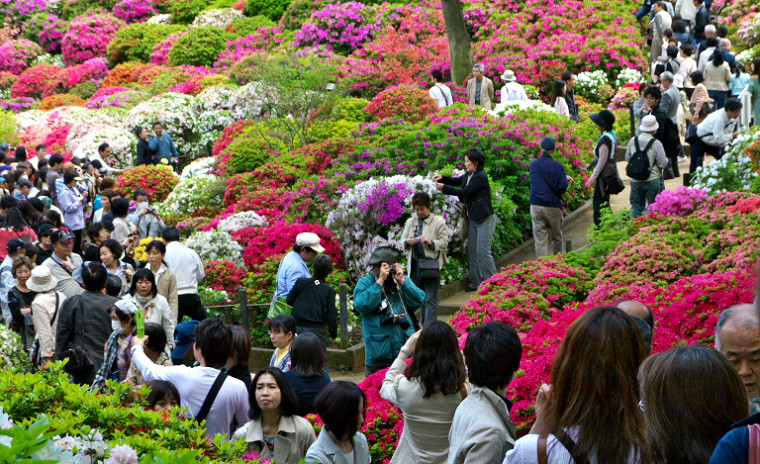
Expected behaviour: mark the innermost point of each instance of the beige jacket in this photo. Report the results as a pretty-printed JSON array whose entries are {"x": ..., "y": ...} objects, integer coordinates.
[
  {"x": 486, "y": 92},
  {"x": 425, "y": 437},
  {"x": 166, "y": 284},
  {"x": 434, "y": 228},
  {"x": 717, "y": 78},
  {"x": 43, "y": 309},
  {"x": 290, "y": 444},
  {"x": 699, "y": 96}
]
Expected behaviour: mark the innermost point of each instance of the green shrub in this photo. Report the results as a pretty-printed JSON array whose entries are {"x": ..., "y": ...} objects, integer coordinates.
[
  {"x": 273, "y": 9},
  {"x": 298, "y": 12},
  {"x": 351, "y": 109},
  {"x": 185, "y": 11},
  {"x": 614, "y": 229},
  {"x": 323, "y": 130},
  {"x": 85, "y": 90},
  {"x": 136, "y": 41},
  {"x": 252, "y": 149},
  {"x": 246, "y": 70},
  {"x": 70, "y": 9},
  {"x": 8, "y": 128},
  {"x": 242, "y": 27},
  {"x": 199, "y": 47}
]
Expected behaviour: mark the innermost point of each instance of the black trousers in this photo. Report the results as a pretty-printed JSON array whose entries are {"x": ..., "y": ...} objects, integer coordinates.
[
  {"x": 190, "y": 305},
  {"x": 599, "y": 201}
]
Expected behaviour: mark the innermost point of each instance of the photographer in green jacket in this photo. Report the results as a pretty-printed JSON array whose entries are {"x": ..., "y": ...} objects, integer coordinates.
[{"x": 385, "y": 298}]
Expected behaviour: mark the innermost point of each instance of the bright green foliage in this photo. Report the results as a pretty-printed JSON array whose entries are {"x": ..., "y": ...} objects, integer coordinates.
[
  {"x": 273, "y": 9},
  {"x": 351, "y": 109},
  {"x": 242, "y": 27},
  {"x": 8, "y": 128},
  {"x": 252, "y": 149},
  {"x": 185, "y": 11},
  {"x": 199, "y": 47},
  {"x": 136, "y": 41}
]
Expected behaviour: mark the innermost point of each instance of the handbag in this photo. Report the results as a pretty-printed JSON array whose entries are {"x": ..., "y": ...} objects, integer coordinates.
[
  {"x": 78, "y": 360},
  {"x": 613, "y": 185},
  {"x": 428, "y": 268},
  {"x": 691, "y": 135},
  {"x": 463, "y": 224}
]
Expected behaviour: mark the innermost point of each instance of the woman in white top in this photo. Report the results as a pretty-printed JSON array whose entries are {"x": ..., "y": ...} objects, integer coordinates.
[
  {"x": 558, "y": 101},
  {"x": 166, "y": 280},
  {"x": 427, "y": 391},
  {"x": 591, "y": 410},
  {"x": 45, "y": 308},
  {"x": 717, "y": 75},
  {"x": 154, "y": 307}
]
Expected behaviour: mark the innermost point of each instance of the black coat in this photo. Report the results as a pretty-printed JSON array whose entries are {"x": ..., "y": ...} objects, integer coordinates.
[
  {"x": 476, "y": 194},
  {"x": 144, "y": 154},
  {"x": 701, "y": 20}
]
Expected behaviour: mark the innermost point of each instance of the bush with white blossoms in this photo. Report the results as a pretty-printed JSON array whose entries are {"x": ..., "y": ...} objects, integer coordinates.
[
  {"x": 215, "y": 245},
  {"x": 508, "y": 107},
  {"x": 219, "y": 17},
  {"x": 160, "y": 19},
  {"x": 199, "y": 166},
  {"x": 122, "y": 142},
  {"x": 27, "y": 119},
  {"x": 201, "y": 191},
  {"x": 628, "y": 76},
  {"x": 374, "y": 212},
  {"x": 729, "y": 174},
  {"x": 247, "y": 102},
  {"x": 218, "y": 97},
  {"x": 748, "y": 55},
  {"x": 242, "y": 220},
  {"x": 12, "y": 354},
  {"x": 589, "y": 83}
]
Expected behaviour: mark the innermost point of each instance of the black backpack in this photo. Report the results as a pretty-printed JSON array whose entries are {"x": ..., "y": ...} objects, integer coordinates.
[{"x": 638, "y": 167}]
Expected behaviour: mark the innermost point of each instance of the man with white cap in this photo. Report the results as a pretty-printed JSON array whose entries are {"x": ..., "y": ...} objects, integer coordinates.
[
  {"x": 646, "y": 160},
  {"x": 512, "y": 90},
  {"x": 45, "y": 309},
  {"x": 293, "y": 267}
]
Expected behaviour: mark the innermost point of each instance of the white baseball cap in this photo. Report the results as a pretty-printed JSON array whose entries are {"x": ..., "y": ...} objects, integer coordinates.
[{"x": 311, "y": 240}]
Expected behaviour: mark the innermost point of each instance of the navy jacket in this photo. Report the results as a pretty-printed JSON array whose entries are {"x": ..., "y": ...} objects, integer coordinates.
[
  {"x": 548, "y": 182},
  {"x": 733, "y": 448},
  {"x": 476, "y": 195}
]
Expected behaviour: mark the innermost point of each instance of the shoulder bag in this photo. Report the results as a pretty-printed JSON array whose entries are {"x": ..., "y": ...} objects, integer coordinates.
[
  {"x": 211, "y": 397},
  {"x": 79, "y": 361},
  {"x": 613, "y": 184},
  {"x": 567, "y": 442},
  {"x": 428, "y": 268}
]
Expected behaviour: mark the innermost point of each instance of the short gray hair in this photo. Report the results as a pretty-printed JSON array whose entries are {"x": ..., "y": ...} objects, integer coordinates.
[
  {"x": 710, "y": 29},
  {"x": 667, "y": 76},
  {"x": 480, "y": 67},
  {"x": 724, "y": 43},
  {"x": 748, "y": 317}
]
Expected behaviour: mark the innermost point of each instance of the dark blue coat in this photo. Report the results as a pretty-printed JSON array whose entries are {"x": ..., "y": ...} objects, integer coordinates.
[{"x": 548, "y": 181}]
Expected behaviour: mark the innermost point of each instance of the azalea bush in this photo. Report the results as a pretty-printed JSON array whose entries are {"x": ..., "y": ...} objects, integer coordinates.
[
  {"x": 137, "y": 41},
  {"x": 88, "y": 37},
  {"x": 194, "y": 193},
  {"x": 680, "y": 202},
  {"x": 224, "y": 276},
  {"x": 199, "y": 47},
  {"x": 17, "y": 55},
  {"x": 341, "y": 27},
  {"x": 215, "y": 245},
  {"x": 158, "y": 181},
  {"x": 402, "y": 102}
]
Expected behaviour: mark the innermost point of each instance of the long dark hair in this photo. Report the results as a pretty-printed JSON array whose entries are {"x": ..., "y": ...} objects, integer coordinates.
[
  {"x": 718, "y": 58},
  {"x": 288, "y": 398},
  {"x": 14, "y": 220},
  {"x": 140, "y": 274},
  {"x": 437, "y": 361},
  {"x": 675, "y": 387},
  {"x": 307, "y": 356},
  {"x": 594, "y": 385},
  {"x": 756, "y": 66},
  {"x": 338, "y": 407},
  {"x": 559, "y": 86}
]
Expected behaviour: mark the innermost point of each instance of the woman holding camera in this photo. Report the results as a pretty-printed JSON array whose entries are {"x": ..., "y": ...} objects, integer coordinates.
[
  {"x": 384, "y": 298},
  {"x": 426, "y": 240},
  {"x": 474, "y": 190}
]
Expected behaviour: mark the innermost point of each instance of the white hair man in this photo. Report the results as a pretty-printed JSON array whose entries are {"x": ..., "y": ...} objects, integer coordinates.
[
  {"x": 480, "y": 88},
  {"x": 737, "y": 337}
]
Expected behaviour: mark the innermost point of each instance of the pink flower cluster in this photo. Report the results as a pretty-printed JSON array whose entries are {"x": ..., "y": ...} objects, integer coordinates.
[
  {"x": 134, "y": 11},
  {"x": 88, "y": 36},
  {"x": 161, "y": 51},
  {"x": 679, "y": 202},
  {"x": 52, "y": 34},
  {"x": 17, "y": 55},
  {"x": 341, "y": 26}
]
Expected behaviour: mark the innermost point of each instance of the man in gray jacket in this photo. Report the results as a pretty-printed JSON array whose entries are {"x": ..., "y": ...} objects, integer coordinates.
[
  {"x": 671, "y": 96},
  {"x": 482, "y": 431},
  {"x": 84, "y": 321}
]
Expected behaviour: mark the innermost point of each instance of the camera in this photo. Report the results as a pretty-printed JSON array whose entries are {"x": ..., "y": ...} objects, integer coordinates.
[
  {"x": 392, "y": 270},
  {"x": 400, "y": 319},
  {"x": 151, "y": 209}
]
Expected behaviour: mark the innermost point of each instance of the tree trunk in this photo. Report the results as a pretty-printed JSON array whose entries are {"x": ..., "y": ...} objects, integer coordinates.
[{"x": 459, "y": 40}]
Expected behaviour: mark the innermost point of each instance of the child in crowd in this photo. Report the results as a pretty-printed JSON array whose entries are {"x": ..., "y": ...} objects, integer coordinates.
[
  {"x": 163, "y": 396},
  {"x": 282, "y": 330}
]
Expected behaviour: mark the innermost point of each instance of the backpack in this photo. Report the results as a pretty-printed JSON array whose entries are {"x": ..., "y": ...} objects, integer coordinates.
[{"x": 638, "y": 167}]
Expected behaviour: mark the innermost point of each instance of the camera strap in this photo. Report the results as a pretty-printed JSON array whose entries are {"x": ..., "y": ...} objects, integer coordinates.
[{"x": 400, "y": 297}]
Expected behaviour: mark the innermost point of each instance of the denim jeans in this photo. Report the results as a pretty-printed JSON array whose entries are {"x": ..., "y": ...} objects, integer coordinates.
[
  {"x": 719, "y": 96},
  {"x": 643, "y": 194},
  {"x": 644, "y": 11},
  {"x": 482, "y": 266},
  {"x": 698, "y": 150}
]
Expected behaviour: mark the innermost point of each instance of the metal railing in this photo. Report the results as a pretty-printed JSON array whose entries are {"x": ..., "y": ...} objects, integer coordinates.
[{"x": 245, "y": 318}]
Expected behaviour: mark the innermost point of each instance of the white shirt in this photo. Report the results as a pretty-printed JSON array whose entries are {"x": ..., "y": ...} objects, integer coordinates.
[
  {"x": 526, "y": 451},
  {"x": 686, "y": 9},
  {"x": 513, "y": 91},
  {"x": 688, "y": 66},
  {"x": 193, "y": 384},
  {"x": 719, "y": 127},
  {"x": 705, "y": 57},
  {"x": 187, "y": 267},
  {"x": 441, "y": 94}
]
